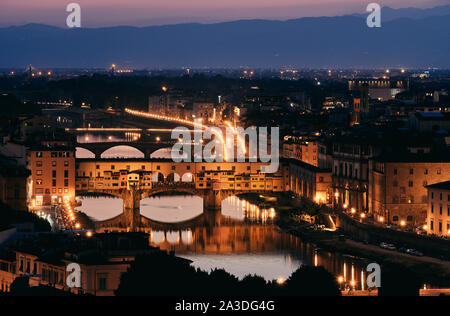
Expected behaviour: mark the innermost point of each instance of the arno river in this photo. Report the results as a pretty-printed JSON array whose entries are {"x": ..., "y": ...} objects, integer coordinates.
[{"x": 240, "y": 239}]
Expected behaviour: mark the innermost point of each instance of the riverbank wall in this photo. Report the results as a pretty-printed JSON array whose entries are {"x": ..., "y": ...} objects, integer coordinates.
[{"x": 430, "y": 246}]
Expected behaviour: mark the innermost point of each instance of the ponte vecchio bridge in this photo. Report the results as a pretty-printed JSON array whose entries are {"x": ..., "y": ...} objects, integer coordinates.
[{"x": 135, "y": 179}]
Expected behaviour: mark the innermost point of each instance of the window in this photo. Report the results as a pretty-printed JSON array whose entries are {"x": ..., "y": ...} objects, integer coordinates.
[
  {"x": 174, "y": 167},
  {"x": 113, "y": 167},
  {"x": 432, "y": 208},
  {"x": 54, "y": 154},
  {"x": 411, "y": 184},
  {"x": 66, "y": 163},
  {"x": 409, "y": 218},
  {"x": 38, "y": 163},
  {"x": 411, "y": 171},
  {"x": 395, "y": 171},
  {"x": 39, "y": 154},
  {"x": 54, "y": 182},
  {"x": 53, "y": 163},
  {"x": 440, "y": 210},
  {"x": 39, "y": 172},
  {"x": 97, "y": 167},
  {"x": 395, "y": 184},
  {"x": 426, "y": 171},
  {"x": 395, "y": 218},
  {"x": 439, "y": 171},
  {"x": 54, "y": 173},
  {"x": 66, "y": 173},
  {"x": 102, "y": 283},
  {"x": 66, "y": 182},
  {"x": 39, "y": 181}
]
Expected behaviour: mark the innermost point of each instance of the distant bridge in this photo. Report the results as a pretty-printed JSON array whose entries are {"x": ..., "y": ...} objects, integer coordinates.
[{"x": 146, "y": 148}]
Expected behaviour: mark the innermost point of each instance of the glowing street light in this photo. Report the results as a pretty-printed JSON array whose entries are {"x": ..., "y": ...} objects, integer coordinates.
[{"x": 281, "y": 281}]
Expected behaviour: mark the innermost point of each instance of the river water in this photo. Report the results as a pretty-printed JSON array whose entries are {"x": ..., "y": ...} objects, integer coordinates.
[{"x": 241, "y": 239}]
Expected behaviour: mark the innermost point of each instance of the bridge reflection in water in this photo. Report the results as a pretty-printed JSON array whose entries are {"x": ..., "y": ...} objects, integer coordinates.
[{"x": 242, "y": 239}]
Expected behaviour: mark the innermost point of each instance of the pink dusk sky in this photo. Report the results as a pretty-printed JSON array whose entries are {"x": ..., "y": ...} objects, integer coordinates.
[{"x": 97, "y": 13}]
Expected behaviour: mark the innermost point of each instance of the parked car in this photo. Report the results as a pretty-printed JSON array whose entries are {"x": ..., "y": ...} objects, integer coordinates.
[
  {"x": 417, "y": 253},
  {"x": 391, "y": 247},
  {"x": 383, "y": 245},
  {"x": 402, "y": 250}
]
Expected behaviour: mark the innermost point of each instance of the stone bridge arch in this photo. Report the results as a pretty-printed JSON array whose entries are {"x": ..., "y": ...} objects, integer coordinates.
[
  {"x": 81, "y": 152},
  {"x": 136, "y": 152},
  {"x": 145, "y": 148}
]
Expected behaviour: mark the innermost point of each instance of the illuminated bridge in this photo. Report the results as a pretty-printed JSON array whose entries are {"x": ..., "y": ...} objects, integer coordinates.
[
  {"x": 135, "y": 179},
  {"x": 145, "y": 148}
]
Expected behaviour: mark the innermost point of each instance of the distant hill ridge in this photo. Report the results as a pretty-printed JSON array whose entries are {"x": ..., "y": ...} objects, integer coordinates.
[{"x": 408, "y": 38}]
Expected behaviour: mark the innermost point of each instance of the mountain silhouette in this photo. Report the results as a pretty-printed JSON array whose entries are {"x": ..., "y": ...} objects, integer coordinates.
[{"x": 411, "y": 38}]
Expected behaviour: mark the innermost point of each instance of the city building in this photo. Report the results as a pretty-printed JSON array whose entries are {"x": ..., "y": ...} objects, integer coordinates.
[
  {"x": 52, "y": 178},
  {"x": 301, "y": 148},
  {"x": 102, "y": 259},
  {"x": 205, "y": 110},
  {"x": 310, "y": 182},
  {"x": 399, "y": 185},
  {"x": 438, "y": 216},
  {"x": 13, "y": 184},
  {"x": 351, "y": 155},
  {"x": 430, "y": 121}
]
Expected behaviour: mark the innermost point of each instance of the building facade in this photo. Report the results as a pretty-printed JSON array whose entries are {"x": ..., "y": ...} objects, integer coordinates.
[
  {"x": 438, "y": 210},
  {"x": 52, "y": 178},
  {"x": 398, "y": 186}
]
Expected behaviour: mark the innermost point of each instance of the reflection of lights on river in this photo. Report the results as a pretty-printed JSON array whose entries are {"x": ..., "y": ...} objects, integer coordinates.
[
  {"x": 252, "y": 212},
  {"x": 186, "y": 237},
  {"x": 173, "y": 237},
  {"x": 157, "y": 237}
]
